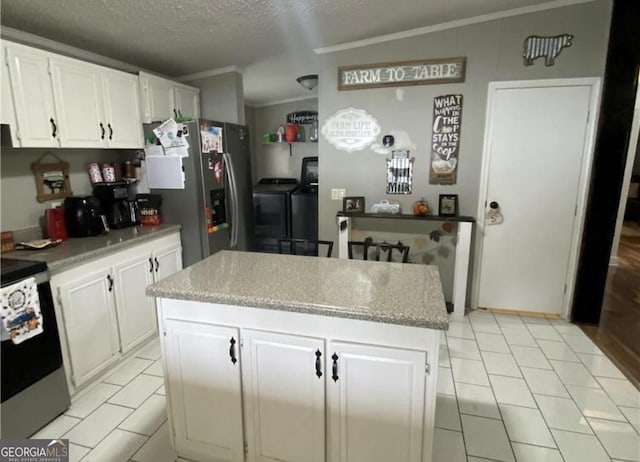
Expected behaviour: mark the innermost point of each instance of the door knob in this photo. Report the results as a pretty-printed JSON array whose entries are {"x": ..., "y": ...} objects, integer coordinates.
[{"x": 494, "y": 215}]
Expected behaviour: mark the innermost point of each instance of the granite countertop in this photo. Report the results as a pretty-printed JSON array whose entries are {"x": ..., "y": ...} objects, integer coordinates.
[
  {"x": 75, "y": 251},
  {"x": 393, "y": 293}
]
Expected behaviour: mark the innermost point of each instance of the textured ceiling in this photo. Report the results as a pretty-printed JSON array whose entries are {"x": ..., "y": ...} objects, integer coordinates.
[{"x": 273, "y": 40}]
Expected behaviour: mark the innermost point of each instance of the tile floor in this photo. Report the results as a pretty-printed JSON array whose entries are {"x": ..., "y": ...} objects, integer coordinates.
[
  {"x": 510, "y": 388},
  {"x": 121, "y": 418}
]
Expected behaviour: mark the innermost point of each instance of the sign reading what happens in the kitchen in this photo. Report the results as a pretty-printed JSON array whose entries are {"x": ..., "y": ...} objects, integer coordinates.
[
  {"x": 445, "y": 139},
  {"x": 351, "y": 129},
  {"x": 418, "y": 72}
]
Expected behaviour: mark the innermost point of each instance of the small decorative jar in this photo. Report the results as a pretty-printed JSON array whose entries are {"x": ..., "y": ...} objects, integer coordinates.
[{"x": 421, "y": 208}]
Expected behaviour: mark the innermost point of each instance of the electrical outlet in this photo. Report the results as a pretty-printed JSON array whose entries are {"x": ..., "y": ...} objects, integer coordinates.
[
  {"x": 55, "y": 204},
  {"x": 338, "y": 193}
]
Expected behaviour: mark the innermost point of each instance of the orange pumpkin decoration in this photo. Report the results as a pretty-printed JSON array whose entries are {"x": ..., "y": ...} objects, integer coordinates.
[{"x": 420, "y": 208}]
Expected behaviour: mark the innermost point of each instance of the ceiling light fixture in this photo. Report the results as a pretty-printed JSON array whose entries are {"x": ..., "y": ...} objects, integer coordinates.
[{"x": 308, "y": 81}]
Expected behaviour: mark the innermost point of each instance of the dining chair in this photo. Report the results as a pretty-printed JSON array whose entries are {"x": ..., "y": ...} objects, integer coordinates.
[
  {"x": 378, "y": 248},
  {"x": 303, "y": 247}
]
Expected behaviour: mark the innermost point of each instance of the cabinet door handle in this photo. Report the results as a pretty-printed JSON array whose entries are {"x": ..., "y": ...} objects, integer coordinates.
[
  {"x": 110, "y": 131},
  {"x": 232, "y": 350},
  {"x": 175, "y": 113},
  {"x": 157, "y": 264},
  {"x": 318, "y": 364},
  {"x": 179, "y": 113},
  {"x": 334, "y": 370},
  {"x": 150, "y": 265},
  {"x": 54, "y": 127},
  {"x": 101, "y": 131},
  {"x": 110, "y": 279}
]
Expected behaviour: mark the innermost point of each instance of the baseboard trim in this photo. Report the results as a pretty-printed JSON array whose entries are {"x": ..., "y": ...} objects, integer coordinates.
[{"x": 532, "y": 314}]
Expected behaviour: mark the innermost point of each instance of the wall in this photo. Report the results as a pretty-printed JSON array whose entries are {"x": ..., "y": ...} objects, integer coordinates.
[
  {"x": 221, "y": 97},
  {"x": 20, "y": 209},
  {"x": 493, "y": 50},
  {"x": 273, "y": 160},
  {"x": 249, "y": 121},
  {"x": 636, "y": 165}
]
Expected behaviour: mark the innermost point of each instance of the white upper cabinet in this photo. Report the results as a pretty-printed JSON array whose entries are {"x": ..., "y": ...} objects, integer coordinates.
[
  {"x": 122, "y": 109},
  {"x": 37, "y": 123},
  {"x": 77, "y": 94},
  {"x": 162, "y": 98},
  {"x": 187, "y": 101},
  {"x": 8, "y": 113},
  {"x": 157, "y": 98},
  {"x": 65, "y": 102}
]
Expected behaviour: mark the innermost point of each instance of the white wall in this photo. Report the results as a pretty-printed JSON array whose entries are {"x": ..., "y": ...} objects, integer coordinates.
[
  {"x": 273, "y": 160},
  {"x": 19, "y": 207},
  {"x": 494, "y": 53},
  {"x": 221, "y": 97}
]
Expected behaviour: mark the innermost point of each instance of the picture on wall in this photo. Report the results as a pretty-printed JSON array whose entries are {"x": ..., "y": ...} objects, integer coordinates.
[
  {"x": 445, "y": 139},
  {"x": 52, "y": 180}
]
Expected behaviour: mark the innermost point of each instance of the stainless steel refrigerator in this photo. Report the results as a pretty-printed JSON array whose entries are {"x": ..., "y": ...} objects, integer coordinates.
[{"x": 213, "y": 202}]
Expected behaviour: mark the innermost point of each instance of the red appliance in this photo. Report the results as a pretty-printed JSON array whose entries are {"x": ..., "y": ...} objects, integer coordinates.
[{"x": 55, "y": 223}]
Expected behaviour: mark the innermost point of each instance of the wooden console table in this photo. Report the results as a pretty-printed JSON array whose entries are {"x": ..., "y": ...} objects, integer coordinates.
[{"x": 463, "y": 247}]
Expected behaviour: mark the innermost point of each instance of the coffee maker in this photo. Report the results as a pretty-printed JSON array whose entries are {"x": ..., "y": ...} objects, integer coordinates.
[{"x": 114, "y": 197}]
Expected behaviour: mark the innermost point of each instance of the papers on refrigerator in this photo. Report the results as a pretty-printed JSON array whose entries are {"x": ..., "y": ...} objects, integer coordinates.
[
  {"x": 170, "y": 134},
  {"x": 165, "y": 172},
  {"x": 211, "y": 138}
]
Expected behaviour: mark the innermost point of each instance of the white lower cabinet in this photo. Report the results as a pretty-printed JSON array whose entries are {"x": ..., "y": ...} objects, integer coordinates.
[
  {"x": 284, "y": 396},
  {"x": 323, "y": 395},
  {"x": 90, "y": 322},
  {"x": 376, "y": 397},
  {"x": 205, "y": 399},
  {"x": 136, "y": 311},
  {"x": 101, "y": 306}
]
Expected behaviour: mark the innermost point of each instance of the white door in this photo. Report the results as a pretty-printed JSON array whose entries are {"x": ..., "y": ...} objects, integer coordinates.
[
  {"x": 284, "y": 382},
  {"x": 33, "y": 97},
  {"x": 204, "y": 390},
  {"x": 122, "y": 109},
  {"x": 78, "y": 97},
  {"x": 535, "y": 160},
  {"x": 376, "y": 399},
  {"x": 167, "y": 261},
  {"x": 187, "y": 102},
  {"x": 136, "y": 311},
  {"x": 90, "y": 322},
  {"x": 157, "y": 98}
]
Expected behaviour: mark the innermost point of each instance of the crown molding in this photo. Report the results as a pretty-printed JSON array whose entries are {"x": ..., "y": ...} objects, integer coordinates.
[
  {"x": 25, "y": 38},
  {"x": 209, "y": 73},
  {"x": 449, "y": 25},
  {"x": 282, "y": 101}
]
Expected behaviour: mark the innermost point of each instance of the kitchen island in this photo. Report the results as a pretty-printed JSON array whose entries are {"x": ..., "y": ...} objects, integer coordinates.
[{"x": 290, "y": 358}]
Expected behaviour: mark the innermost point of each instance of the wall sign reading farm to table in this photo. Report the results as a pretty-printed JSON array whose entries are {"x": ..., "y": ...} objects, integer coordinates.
[{"x": 419, "y": 72}]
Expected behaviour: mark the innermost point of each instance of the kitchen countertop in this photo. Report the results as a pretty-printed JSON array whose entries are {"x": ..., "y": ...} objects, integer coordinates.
[
  {"x": 393, "y": 293},
  {"x": 75, "y": 251}
]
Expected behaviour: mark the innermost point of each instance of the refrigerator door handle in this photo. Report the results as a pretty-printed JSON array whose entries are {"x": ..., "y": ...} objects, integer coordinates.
[{"x": 234, "y": 199}]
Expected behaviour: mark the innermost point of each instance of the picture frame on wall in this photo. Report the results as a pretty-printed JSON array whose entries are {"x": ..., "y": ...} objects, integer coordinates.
[
  {"x": 448, "y": 205},
  {"x": 52, "y": 179},
  {"x": 353, "y": 204}
]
